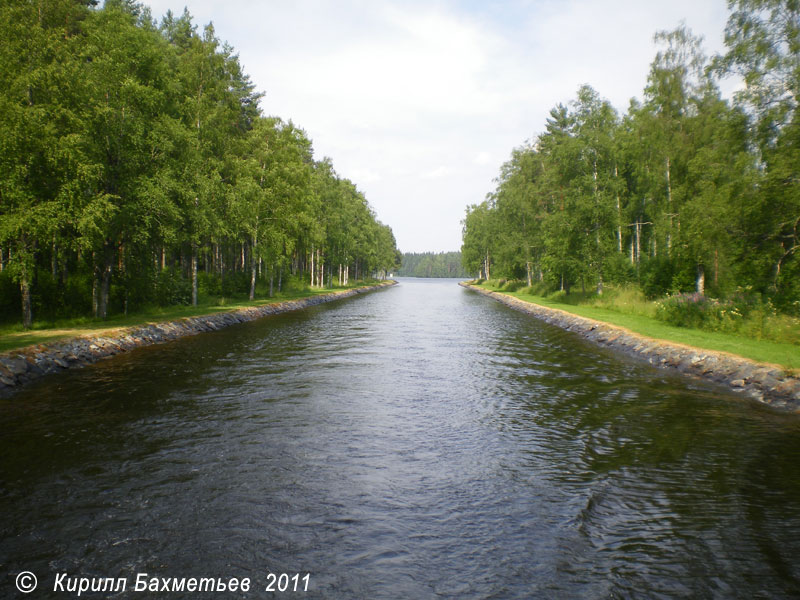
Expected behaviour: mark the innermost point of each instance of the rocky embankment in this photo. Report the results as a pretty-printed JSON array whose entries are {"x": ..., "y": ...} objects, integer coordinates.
[
  {"x": 768, "y": 384},
  {"x": 20, "y": 366}
]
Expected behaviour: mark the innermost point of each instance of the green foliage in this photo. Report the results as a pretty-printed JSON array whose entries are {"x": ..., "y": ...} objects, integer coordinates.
[
  {"x": 685, "y": 193},
  {"x": 741, "y": 313},
  {"x": 9, "y": 295},
  {"x": 172, "y": 288},
  {"x": 136, "y": 169},
  {"x": 513, "y": 286},
  {"x": 693, "y": 310}
]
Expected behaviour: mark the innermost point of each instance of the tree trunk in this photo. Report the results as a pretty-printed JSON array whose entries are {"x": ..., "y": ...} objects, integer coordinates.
[
  {"x": 529, "y": 273},
  {"x": 321, "y": 269},
  {"x": 27, "y": 306},
  {"x": 271, "y": 278},
  {"x": 54, "y": 260},
  {"x": 253, "y": 268},
  {"x": 95, "y": 286},
  {"x": 105, "y": 286},
  {"x": 700, "y": 284},
  {"x": 194, "y": 274},
  {"x": 121, "y": 269},
  {"x": 619, "y": 216},
  {"x": 669, "y": 209},
  {"x": 312, "y": 266}
]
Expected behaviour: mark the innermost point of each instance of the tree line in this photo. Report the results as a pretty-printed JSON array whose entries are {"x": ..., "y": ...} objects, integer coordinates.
[
  {"x": 432, "y": 264},
  {"x": 686, "y": 191},
  {"x": 137, "y": 168}
]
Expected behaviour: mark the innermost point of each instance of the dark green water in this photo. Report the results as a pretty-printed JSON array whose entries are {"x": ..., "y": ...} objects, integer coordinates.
[{"x": 418, "y": 442}]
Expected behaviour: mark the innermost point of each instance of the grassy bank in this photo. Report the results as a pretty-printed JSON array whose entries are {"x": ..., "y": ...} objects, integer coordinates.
[
  {"x": 765, "y": 340},
  {"x": 13, "y": 336}
]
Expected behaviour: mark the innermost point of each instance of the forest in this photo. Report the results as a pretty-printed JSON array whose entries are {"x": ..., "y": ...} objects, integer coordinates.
[
  {"x": 137, "y": 169},
  {"x": 686, "y": 192},
  {"x": 432, "y": 264}
]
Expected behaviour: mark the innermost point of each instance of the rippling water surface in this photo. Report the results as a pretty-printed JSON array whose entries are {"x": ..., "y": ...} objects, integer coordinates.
[{"x": 417, "y": 442}]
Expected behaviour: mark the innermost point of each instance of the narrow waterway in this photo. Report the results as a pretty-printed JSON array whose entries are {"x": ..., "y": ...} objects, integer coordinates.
[{"x": 418, "y": 442}]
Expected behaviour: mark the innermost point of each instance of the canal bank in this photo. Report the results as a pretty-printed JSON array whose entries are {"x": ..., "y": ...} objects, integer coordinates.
[
  {"x": 768, "y": 384},
  {"x": 23, "y": 365}
]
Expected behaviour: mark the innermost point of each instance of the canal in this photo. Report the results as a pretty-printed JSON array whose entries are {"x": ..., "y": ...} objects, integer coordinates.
[{"x": 417, "y": 442}]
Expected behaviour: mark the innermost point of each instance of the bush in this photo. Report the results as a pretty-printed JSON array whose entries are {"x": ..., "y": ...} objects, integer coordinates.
[
  {"x": 655, "y": 277},
  {"x": 688, "y": 310},
  {"x": 209, "y": 284},
  {"x": 172, "y": 288},
  {"x": 701, "y": 312},
  {"x": 513, "y": 286},
  {"x": 619, "y": 269},
  {"x": 539, "y": 288},
  {"x": 77, "y": 294},
  {"x": 236, "y": 283},
  {"x": 10, "y": 299}
]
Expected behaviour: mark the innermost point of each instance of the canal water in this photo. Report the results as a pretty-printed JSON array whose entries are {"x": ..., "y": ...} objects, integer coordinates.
[{"x": 418, "y": 442}]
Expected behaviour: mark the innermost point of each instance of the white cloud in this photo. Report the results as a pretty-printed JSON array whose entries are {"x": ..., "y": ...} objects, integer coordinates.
[
  {"x": 482, "y": 158},
  {"x": 360, "y": 175},
  {"x": 418, "y": 103},
  {"x": 438, "y": 173}
]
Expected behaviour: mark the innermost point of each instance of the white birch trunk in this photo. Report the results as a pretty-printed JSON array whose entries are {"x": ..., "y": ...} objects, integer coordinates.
[
  {"x": 312, "y": 266},
  {"x": 700, "y": 283},
  {"x": 194, "y": 274},
  {"x": 253, "y": 267}
]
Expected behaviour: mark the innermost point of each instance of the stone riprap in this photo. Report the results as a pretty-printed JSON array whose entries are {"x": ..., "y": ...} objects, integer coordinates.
[
  {"x": 768, "y": 384},
  {"x": 20, "y": 366}
]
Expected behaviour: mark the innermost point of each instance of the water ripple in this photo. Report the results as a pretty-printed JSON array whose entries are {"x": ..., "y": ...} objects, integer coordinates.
[{"x": 419, "y": 442}]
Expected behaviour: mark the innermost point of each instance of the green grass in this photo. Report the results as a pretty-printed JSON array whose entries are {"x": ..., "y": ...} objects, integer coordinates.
[
  {"x": 636, "y": 314},
  {"x": 13, "y": 336}
]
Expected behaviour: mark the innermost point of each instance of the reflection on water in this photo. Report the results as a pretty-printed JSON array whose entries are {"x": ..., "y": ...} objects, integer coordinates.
[{"x": 418, "y": 442}]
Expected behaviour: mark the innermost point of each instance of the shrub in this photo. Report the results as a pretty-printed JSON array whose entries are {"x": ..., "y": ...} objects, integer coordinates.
[
  {"x": 655, "y": 277},
  {"x": 513, "y": 286},
  {"x": 10, "y": 299},
  {"x": 688, "y": 310},
  {"x": 540, "y": 288},
  {"x": 234, "y": 284},
  {"x": 209, "y": 284},
  {"x": 618, "y": 269},
  {"x": 172, "y": 288},
  {"x": 77, "y": 294},
  {"x": 699, "y": 311}
]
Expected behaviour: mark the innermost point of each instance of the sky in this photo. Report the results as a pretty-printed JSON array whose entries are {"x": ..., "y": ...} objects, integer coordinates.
[{"x": 419, "y": 103}]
